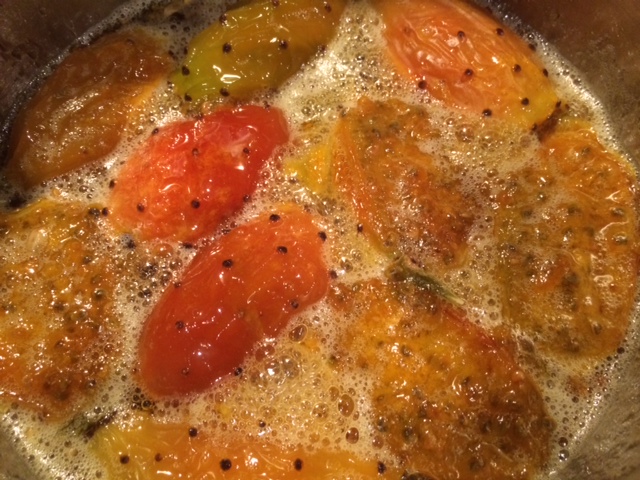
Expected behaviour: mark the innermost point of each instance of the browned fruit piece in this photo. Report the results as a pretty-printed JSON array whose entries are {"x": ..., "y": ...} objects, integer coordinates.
[
  {"x": 405, "y": 200},
  {"x": 56, "y": 322},
  {"x": 568, "y": 232},
  {"x": 83, "y": 109},
  {"x": 449, "y": 399}
]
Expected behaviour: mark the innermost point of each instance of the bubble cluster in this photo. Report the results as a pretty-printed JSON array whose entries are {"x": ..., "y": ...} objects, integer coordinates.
[{"x": 292, "y": 389}]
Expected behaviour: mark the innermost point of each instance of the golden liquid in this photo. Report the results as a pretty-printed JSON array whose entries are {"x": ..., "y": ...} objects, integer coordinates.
[{"x": 285, "y": 384}]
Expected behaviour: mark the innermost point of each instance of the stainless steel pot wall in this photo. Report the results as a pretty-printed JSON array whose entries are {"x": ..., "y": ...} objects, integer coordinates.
[{"x": 599, "y": 37}]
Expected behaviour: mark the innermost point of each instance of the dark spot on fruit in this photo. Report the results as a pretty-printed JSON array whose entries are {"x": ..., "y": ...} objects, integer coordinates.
[
  {"x": 193, "y": 432},
  {"x": 228, "y": 263},
  {"x": 517, "y": 68},
  {"x": 225, "y": 464},
  {"x": 422, "y": 84},
  {"x": 195, "y": 203},
  {"x": 226, "y": 48},
  {"x": 282, "y": 249},
  {"x": 323, "y": 236},
  {"x": 500, "y": 31},
  {"x": 185, "y": 70},
  {"x": 297, "y": 464},
  {"x": 524, "y": 101},
  {"x": 224, "y": 92},
  {"x": 487, "y": 112},
  {"x": 140, "y": 207},
  {"x": 187, "y": 97},
  {"x": 124, "y": 459}
]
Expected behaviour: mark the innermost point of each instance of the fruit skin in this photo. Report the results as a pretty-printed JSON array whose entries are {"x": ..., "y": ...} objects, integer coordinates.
[
  {"x": 87, "y": 105},
  {"x": 468, "y": 60},
  {"x": 255, "y": 47},
  {"x": 145, "y": 447},
  {"x": 190, "y": 176},
  {"x": 57, "y": 323},
  {"x": 449, "y": 399},
  {"x": 408, "y": 203},
  {"x": 239, "y": 290},
  {"x": 567, "y": 226}
]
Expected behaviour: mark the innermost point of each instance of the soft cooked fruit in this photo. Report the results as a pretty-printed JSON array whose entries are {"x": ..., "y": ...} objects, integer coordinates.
[
  {"x": 407, "y": 202},
  {"x": 448, "y": 399},
  {"x": 464, "y": 57},
  {"x": 567, "y": 226},
  {"x": 191, "y": 175},
  {"x": 239, "y": 290},
  {"x": 57, "y": 322},
  {"x": 256, "y": 46},
  {"x": 145, "y": 447},
  {"x": 86, "y": 106}
]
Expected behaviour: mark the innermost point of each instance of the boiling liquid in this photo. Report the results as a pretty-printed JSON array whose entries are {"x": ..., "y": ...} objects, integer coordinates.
[{"x": 286, "y": 392}]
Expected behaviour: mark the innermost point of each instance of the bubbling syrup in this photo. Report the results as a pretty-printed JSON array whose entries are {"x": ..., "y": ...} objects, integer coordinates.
[{"x": 286, "y": 391}]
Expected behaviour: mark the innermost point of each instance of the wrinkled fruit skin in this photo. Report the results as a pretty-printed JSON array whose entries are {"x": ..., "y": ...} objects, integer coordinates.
[
  {"x": 85, "y": 108},
  {"x": 190, "y": 176},
  {"x": 468, "y": 60}
]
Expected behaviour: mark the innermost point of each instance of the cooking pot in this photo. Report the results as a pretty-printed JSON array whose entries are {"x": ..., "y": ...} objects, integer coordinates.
[{"x": 599, "y": 37}]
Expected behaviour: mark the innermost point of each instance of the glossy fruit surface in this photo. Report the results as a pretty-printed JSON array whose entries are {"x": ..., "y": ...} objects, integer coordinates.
[
  {"x": 87, "y": 106},
  {"x": 57, "y": 321},
  {"x": 241, "y": 289},
  {"x": 568, "y": 229},
  {"x": 256, "y": 46},
  {"x": 145, "y": 447},
  {"x": 191, "y": 175},
  {"x": 407, "y": 203},
  {"x": 464, "y": 57},
  {"x": 449, "y": 399}
]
